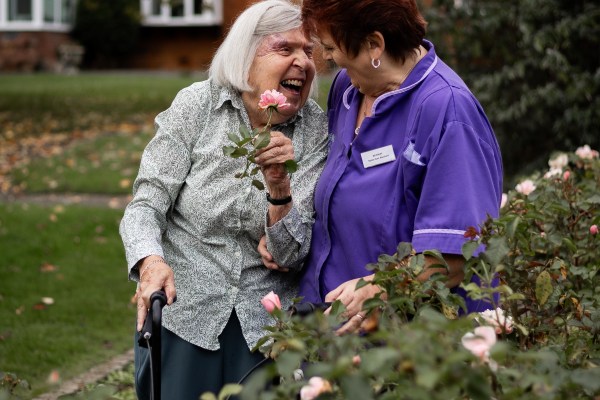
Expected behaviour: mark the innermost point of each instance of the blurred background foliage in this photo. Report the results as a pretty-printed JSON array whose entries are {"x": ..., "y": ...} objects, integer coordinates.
[
  {"x": 535, "y": 67},
  {"x": 108, "y": 30}
]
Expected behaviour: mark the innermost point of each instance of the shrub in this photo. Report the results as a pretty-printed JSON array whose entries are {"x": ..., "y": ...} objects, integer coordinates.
[
  {"x": 543, "y": 247},
  {"x": 533, "y": 64},
  {"x": 108, "y": 30}
]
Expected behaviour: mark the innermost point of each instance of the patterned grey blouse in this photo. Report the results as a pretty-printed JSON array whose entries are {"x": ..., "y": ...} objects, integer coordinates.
[{"x": 189, "y": 208}]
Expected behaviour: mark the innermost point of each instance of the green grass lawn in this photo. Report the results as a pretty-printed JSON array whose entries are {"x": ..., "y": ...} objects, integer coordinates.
[
  {"x": 74, "y": 256},
  {"x": 105, "y": 164},
  {"x": 40, "y": 103}
]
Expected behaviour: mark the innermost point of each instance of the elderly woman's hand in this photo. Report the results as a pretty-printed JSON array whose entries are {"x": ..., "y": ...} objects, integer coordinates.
[
  {"x": 155, "y": 274},
  {"x": 271, "y": 159},
  {"x": 266, "y": 256}
]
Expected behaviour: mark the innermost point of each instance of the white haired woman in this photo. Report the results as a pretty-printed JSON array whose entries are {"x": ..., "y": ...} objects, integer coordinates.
[{"x": 192, "y": 227}]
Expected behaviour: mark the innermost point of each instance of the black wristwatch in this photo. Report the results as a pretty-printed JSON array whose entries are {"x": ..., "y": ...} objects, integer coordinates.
[{"x": 279, "y": 202}]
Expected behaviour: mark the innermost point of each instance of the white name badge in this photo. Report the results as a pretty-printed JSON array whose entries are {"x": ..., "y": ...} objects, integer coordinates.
[{"x": 378, "y": 156}]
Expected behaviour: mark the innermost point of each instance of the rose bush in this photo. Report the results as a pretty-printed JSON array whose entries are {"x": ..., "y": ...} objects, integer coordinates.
[{"x": 541, "y": 342}]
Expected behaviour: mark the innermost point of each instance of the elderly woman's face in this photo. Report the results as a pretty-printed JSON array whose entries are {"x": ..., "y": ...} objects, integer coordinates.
[{"x": 283, "y": 62}]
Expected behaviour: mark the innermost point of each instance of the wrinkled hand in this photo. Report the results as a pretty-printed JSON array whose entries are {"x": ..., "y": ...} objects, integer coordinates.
[
  {"x": 159, "y": 276},
  {"x": 266, "y": 256},
  {"x": 353, "y": 300},
  {"x": 271, "y": 159}
]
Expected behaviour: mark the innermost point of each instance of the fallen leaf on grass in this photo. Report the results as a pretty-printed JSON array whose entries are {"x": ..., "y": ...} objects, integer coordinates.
[
  {"x": 39, "y": 306},
  {"x": 54, "y": 377},
  {"x": 20, "y": 310},
  {"x": 48, "y": 300},
  {"x": 48, "y": 268}
]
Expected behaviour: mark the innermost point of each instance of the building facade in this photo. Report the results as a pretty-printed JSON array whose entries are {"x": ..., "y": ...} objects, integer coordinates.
[
  {"x": 32, "y": 32},
  {"x": 175, "y": 34}
]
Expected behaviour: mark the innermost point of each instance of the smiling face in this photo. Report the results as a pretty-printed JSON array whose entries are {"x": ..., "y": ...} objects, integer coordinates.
[
  {"x": 359, "y": 68},
  {"x": 283, "y": 62}
]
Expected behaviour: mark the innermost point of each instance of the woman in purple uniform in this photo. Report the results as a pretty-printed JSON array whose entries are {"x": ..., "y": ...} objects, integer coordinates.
[{"x": 412, "y": 155}]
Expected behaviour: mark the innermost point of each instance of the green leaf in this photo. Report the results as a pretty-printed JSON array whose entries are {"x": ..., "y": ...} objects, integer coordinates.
[
  {"x": 229, "y": 390},
  {"x": 355, "y": 388},
  {"x": 239, "y": 152},
  {"x": 496, "y": 251},
  {"x": 337, "y": 308},
  {"x": 437, "y": 255},
  {"x": 378, "y": 359},
  {"x": 427, "y": 377},
  {"x": 569, "y": 244},
  {"x": 262, "y": 140},
  {"x": 208, "y": 396},
  {"x": 291, "y": 166},
  {"x": 512, "y": 226},
  {"x": 288, "y": 361},
  {"x": 468, "y": 249},
  {"x": 258, "y": 184},
  {"x": 543, "y": 287},
  {"x": 404, "y": 249},
  {"x": 233, "y": 137},
  {"x": 246, "y": 134},
  {"x": 228, "y": 150}
]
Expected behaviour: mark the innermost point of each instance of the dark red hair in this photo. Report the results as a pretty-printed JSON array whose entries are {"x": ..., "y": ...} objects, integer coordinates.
[{"x": 350, "y": 22}]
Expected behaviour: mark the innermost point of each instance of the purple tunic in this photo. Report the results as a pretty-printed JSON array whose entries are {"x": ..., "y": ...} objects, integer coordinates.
[{"x": 446, "y": 175}]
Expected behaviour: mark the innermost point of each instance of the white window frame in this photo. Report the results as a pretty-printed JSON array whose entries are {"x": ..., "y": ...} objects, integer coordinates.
[
  {"x": 37, "y": 22},
  {"x": 209, "y": 17}
]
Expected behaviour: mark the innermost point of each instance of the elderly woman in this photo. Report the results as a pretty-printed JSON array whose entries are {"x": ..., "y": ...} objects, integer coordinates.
[
  {"x": 192, "y": 227},
  {"x": 413, "y": 157}
]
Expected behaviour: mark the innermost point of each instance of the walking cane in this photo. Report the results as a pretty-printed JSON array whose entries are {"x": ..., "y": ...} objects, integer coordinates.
[{"x": 150, "y": 338}]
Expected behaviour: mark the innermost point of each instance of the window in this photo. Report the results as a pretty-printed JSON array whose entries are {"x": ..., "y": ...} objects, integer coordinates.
[
  {"x": 49, "y": 11},
  {"x": 20, "y": 10},
  {"x": 67, "y": 11},
  {"x": 181, "y": 12}
]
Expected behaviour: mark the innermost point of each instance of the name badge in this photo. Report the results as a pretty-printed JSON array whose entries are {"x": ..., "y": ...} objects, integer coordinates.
[{"x": 378, "y": 156}]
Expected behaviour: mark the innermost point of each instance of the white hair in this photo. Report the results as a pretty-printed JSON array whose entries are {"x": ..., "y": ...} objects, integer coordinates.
[{"x": 231, "y": 64}]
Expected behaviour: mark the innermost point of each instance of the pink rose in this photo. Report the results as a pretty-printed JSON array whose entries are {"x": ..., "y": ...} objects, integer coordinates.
[
  {"x": 497, "y": 319},
  {"x": 480, "y": 341},
  {"x": 316, "y": 386},
  {"x": 503, "y": 200},
  {"x": 566, "y": 175},
  {"x": 274, "y": 99},
  {"x": 594, "y": 230},
  {"x": 525, "y": 187},
  {"x": 271, "y": 302},
  {"x": 586, "y": 152},
  {"x": 559, "y": 161},
  {"x": 553, "y": 172},
  {"x": 356, "y": 360}
]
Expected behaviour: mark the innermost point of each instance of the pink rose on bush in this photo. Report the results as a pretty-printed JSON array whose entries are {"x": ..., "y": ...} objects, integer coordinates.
[
  {"x": 525, "y": 187},
  {"x": 594, "y": 230},
  {"x": 586, "y": 152},
  {"x": 316, "y": 386},
  {"x": 553, "y": 172},
  {"x": 559, "y": 162},
  {"x": 503, "y": 200},
  {"x": 497, "y": 320},
  {"x": 271, "y": 302},
  {"x": 566, "y": 175},
  {"x": 274, "y": 99},
  {"x": 480, "y": 341}
]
